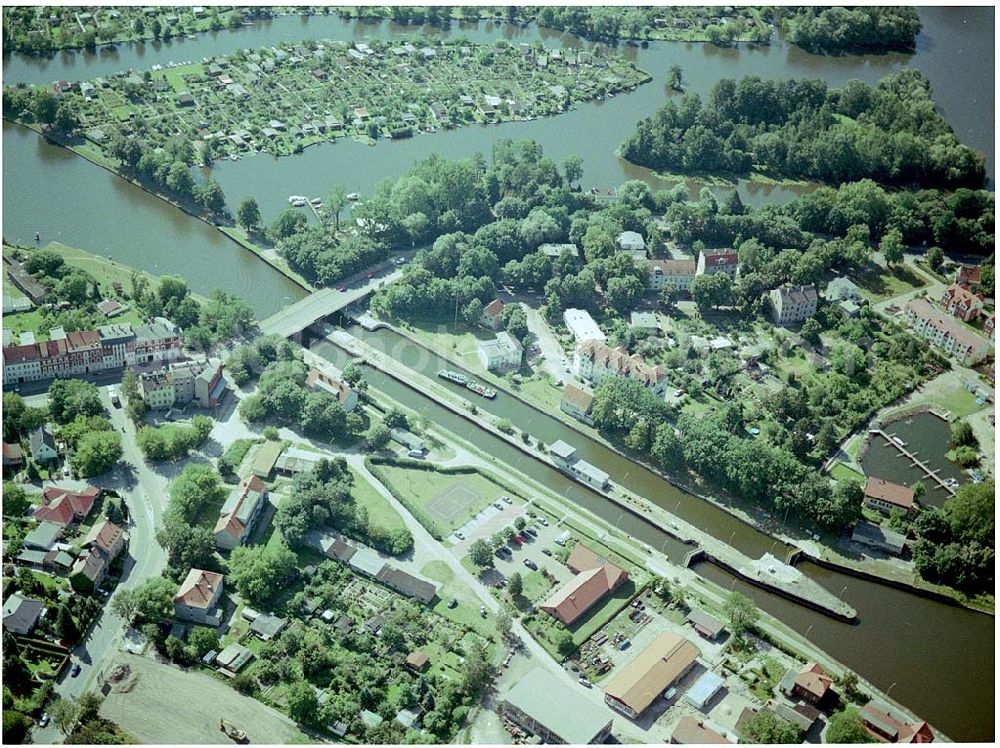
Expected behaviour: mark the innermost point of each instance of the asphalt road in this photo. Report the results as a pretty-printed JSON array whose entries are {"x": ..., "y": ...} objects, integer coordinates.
[{"x": 145, "y": 494}]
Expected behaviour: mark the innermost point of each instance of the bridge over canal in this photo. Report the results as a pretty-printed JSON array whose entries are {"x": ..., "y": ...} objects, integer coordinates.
[{"x": 319, "y": 304}]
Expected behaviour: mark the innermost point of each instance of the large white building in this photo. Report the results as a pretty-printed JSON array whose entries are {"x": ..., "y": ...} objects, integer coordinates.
[
  {"x": 582, "y": 325},
  {"x": 677, "y": 275},
  {"x": 712, "y": 261},
  {"x": 502, "y": 353}
]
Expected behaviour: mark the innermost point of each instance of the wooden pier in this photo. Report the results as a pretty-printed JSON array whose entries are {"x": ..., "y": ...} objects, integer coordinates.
[{"x": 914, "y": 460}]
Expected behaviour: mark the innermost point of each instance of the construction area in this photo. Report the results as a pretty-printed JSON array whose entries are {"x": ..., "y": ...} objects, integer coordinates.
[{"x": 158, "y": 703}]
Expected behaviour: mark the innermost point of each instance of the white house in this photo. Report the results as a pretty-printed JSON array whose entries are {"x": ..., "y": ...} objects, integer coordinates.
[
  {"x": 792, "y": 303},
  {"x": 503, "y": 353}
]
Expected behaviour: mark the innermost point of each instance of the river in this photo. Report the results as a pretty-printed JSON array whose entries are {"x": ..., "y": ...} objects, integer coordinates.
[{"x": 940, "y": 657}]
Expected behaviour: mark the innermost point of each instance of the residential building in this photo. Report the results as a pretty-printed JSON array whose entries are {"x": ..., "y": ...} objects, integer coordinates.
[
  {"x": 960, "y": 301},
  {"x": 492, "y": 316},
  {"x": 267, "y": 627},
  {"x": 107, "y": 537},
  {"x": 13, "y": 457},
  {"x": 501, "y": 354},
  {"x": 842, "y": 288},
  {"x": 198, "y": 597},
  {"x": 340, "y": 389},
  {"x": 889, "y": 725},
  {"x": 579, "y": 594},
  {"x": 883, "y": 496},
  {"x": 989, "y": 326},
  {"x": 541, "y": 705},
  {"x": 639, "y": 683},
  {"x": 810, "y": 683},
  {"x": 417, "y": 661},
  {"x": 707, "y": 627},
  {"x": 790, "y": 304},
  {"x": 595, "y": 361},
  {"x": 240, "y": 513},
  {"x": 582, "y": 325},
  {"x": 577, "y": 403},
  {"x": 89, "y": 351},
  {"x": 711, "y": 261},
  {"x": 968, "y": 275},
  {"x": 182, "y": 382},
  {"x": 294, "y": 460},
  {"x": 879, "y": 538},
  {"x": 63, "y": 506},
  {"x": 945, "y": 332},
  {"x": 20, "y": 614},
  {"x": 633, "y": 243},
  {"x": 89, "y": 570},
  {"x": 676, "y": 275},
  {"x": 564, "y": 457},
  {"x": 42, "y": 444},
  {"x": 691, "y": 731}
]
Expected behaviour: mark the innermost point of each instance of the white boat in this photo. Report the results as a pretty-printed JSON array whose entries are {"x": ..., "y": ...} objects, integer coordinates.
[
  {"x": 297, "y": 199},
  {"x": 353, "y": 196},
  {"x": 316, "y": 202}
]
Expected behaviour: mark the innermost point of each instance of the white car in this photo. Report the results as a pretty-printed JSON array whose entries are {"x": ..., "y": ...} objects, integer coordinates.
[
  {"x": 459, "y": 535},
  {"x": 506, "y": 500}
]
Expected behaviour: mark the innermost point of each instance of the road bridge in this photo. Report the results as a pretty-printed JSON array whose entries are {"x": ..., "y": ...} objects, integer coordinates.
[{"x": 314, "y": 307}]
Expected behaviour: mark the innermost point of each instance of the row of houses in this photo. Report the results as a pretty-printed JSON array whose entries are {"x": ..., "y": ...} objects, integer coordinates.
[
  {"x": 595, "y": 361},
  {"x": 679, "y": 275},
  {"x": 88, "y": 351},
  {"x": 368, "y": 562},
  {"x": 945, "y": 332}
]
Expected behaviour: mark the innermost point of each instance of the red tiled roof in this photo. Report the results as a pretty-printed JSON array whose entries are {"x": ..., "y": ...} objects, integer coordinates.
[
  {"x": 578, "y": 595},
  {"x": 969, "y": 274},
  {"x": 61, "y": 506},
  {"x": 716, "y": 259},
  {"x": 19, "y": 354},
  {"x": 813, "y": 679},
  {"x": 493, "y": 309},
  {"x": 690, "y": 731},
  {"x": 893, "y": 493},
  {"x": 105, "y": 536},
  {"x": 198, "y": 587}
]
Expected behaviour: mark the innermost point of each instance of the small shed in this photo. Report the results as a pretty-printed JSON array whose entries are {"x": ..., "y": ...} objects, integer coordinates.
[
  {"x": 704, "y": 689},
  {"x": 267, "y": 456}
]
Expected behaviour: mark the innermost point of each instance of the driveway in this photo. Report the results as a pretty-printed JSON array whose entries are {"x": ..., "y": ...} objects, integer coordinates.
[{"x": 552, "y": 352}]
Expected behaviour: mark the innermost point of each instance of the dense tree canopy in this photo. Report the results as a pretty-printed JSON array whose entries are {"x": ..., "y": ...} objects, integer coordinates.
[{"x": 890, "y": 132}]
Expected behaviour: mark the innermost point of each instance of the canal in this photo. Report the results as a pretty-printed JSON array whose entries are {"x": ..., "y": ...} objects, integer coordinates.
[{"x": 940, "y": 657}]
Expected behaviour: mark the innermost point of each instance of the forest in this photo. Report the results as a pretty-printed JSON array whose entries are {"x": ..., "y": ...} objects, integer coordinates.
[
  {"x": 838, "y": 30},
  {"x": 801, "y": 129}
]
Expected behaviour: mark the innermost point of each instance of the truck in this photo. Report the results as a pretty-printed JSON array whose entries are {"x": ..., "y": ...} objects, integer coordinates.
[{"x": 113, "y": 394}]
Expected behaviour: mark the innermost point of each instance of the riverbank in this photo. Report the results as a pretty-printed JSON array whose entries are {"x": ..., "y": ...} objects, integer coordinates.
[{"x": 820, "y": 552}]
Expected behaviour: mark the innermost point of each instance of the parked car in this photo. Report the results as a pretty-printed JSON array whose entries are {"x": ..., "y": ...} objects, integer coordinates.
[
  {"x": 482, "y": 611},
  {"x": 506, "y": 500},
  {"x": 531, "y": 564},
  {"x": 546, "y": 551},
  {"x": 498, "y": 504},
  {"x": 459, "y": 535},
  {"x": 530, "y": 531},
  {"x": 584, "y": 682},
  {"x": 342, "y": 289},
  {"x": 44, "y": 721},
  {"x": 75, "y": 670},
  {"x": 544, "y": 522},
  {"x": 452, "y": 603}
]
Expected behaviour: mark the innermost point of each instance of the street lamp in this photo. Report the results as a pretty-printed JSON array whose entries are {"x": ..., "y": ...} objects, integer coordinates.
[{"x": 809, "y": 629}]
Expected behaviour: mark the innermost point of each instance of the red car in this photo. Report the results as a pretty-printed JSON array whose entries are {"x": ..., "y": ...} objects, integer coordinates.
[{"x": 371, "y": 275}]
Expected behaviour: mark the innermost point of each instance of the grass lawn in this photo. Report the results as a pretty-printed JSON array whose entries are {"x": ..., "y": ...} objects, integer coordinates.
[
  {"x": 466, "y": 613},
  {"x": 421, "y": 490},
  {"x": 540, "y": 390},
  {"x": 32, "y": 321},
  {"x": 457, "y": 342},
  {"x": 879, "y": 284},
  {"x": 840, "y": 472},
  {"x": 380, "y": 512}
]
